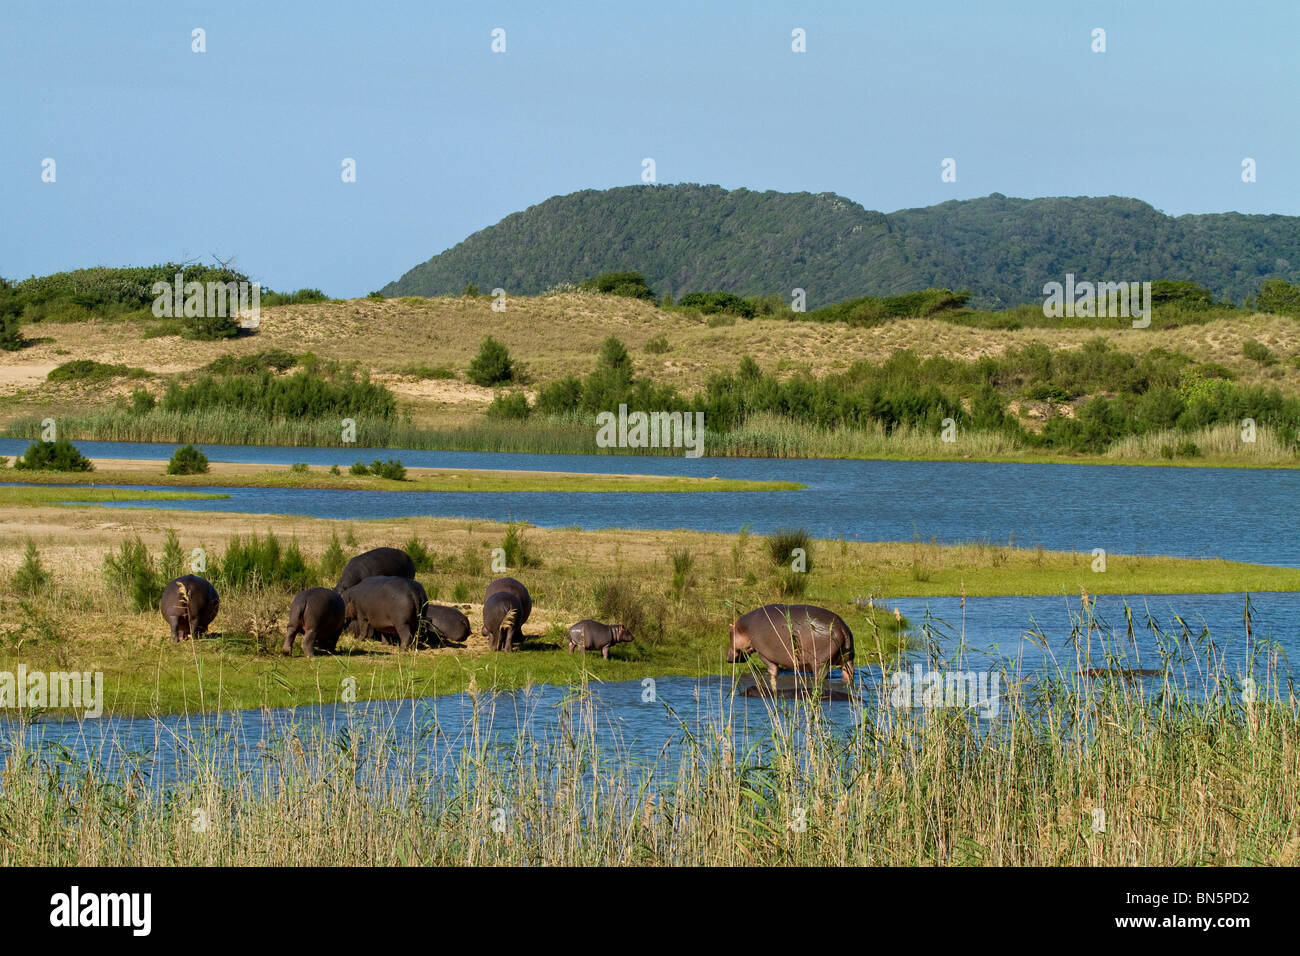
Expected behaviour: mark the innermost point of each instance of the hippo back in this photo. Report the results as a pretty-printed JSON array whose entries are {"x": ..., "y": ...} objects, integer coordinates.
[
  {"x": 379, "y": 562},
  {"x": 511, "y": 586}
]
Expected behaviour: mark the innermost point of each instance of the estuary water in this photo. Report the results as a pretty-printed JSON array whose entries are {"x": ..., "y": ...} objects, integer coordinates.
[{"x": 1237, "y": 514}]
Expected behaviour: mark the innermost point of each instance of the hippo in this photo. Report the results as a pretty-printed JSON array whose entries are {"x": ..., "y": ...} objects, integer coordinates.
[
  {"x": 821, "y": 639},
  {"x": 386, "y": 606},
  {"x": 189, "y": 605},
  {"x": 448, "y": 623},
  {"x": 502, "y": 613},
  {"x": 316, "y": 614},
  {"x": 379, "y": 562},
  {"x": 594, "y": 636},
  {"x": 518, "y": 590}
]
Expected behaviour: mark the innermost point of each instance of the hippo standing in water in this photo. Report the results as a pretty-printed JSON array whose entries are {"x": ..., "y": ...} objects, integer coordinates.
[
  {"x": 511, "y": 586},
  {"x": 502, "y": 614},
  {"x": 448, "y": 623},
  {"x": 594, "y": 636},
  {"x": 798, "y": 637},
  {"x": 380, "y": 562},
  {"x": 316, "y": 614},
  {"x": 189, "y": 605},
  {"x": 386, "y": 606}
]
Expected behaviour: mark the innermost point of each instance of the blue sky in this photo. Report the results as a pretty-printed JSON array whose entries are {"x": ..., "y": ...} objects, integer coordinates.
[{"x": 164, "y": 154}]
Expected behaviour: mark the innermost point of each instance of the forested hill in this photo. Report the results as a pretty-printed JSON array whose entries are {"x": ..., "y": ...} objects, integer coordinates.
[{"x": 688, "y": 238}]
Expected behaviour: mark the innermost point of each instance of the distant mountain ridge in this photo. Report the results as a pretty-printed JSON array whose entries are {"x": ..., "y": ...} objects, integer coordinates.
[{"x": 690, "y": 238}]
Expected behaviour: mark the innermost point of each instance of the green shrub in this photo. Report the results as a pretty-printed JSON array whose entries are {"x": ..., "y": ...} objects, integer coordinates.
[
  {"x": 657, "y": 345},
  {"x": 492, "y": 366},
  {"x": 301, "y": 297},
  {"x": 460, "y": 592},
  {"x": 334, "y": 470},
  {"x": 323, "y": 391},
  {"x": 31, "y": 576},
  {"x": 711, "y": 303},
  {"x": 187, "y": 460},
  {"x": 88, "y": 370},
  {"x": 142, "y": 402},
  {"x": 683, "y": 564},
  {"x": 512, "y": 406},
  {"x": 273, "y": 360},
  {"x": 783, "y": 542},
  {"x": 171, "y": 564},
  {"x": 420, "y": 556},
  {"x": 59, "y": 455},
  {"x": 1257, "y": 351},
  {"x": 376, "y": 296},
  {"x": 426, "y": 371},
  {"x": 392, "y": 469},
  {"x": 131, "y": 572},
  {"x": 359, "y": 468},
  {"x": 628, "y": 284},
  {"x": 209, "y": 328},
  {"x": 333, "y": 560},
  {"x": 298, "y": 468},
  {"x": 515, "y": 548},
  {"x": 263, "y": 562}
]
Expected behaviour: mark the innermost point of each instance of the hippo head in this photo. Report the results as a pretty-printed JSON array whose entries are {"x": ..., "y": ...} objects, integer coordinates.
[
  {"x": 621, "y": 634},
  {"x": 740, "y": 647}
]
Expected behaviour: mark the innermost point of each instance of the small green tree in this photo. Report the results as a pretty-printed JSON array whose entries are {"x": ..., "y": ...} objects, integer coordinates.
[
  {"x": 59, "y": 455},
  {"x": 333, "y": 560},
  {"x": 188, "y": 460},
  {"x": 209, "y": 328},
  {"x": 31, "y": 576},
  {"x": 492, "y": 366}
]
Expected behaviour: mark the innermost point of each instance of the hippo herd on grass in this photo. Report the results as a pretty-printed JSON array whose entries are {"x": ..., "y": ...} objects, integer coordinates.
[{"x": 378, "y": 597}]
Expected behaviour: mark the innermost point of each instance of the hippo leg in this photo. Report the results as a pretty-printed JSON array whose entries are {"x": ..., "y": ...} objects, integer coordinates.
[
  {"x": 572, "y": 647},
  {"x": 772, "y": 671},
  {"x": 289, "y": 635},
  {"x": 406, "y": 637},
  {"x": 846, "y": 673},
  {"x": 604, "y": 652},
  {"x": 309, "y": 642},
  {"x": 176, "y": 631}
]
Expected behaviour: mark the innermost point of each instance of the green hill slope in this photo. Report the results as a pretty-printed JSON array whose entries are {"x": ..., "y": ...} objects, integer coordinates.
[{"x": 688, "y": 238}]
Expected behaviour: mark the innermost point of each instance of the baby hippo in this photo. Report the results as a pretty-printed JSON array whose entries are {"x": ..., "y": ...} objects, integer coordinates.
[
  {"x": 594, "y": 636},
  {"x": 316, "y": 614}
]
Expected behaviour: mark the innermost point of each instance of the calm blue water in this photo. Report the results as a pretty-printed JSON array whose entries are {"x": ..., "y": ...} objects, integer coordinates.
[{"x": 1237, "y": 514}]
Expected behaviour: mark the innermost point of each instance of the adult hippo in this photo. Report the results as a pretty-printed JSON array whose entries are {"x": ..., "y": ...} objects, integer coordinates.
[
  {"x": 379, "y": 562},
  {"x": 798, "y": 637},
  {"x": 189, "y": 605},
  {"x": 386, "y": 606},
  {"x": 316, "y": 614},
  {"x": 594, "y": 636},
  {"x": 502, "y": 614},
  {"x": 512, "y": 586},
  {"x": 448, "y": 623}
]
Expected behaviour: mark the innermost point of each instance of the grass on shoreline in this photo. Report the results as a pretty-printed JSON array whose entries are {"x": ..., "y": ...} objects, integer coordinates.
[
  {"x": 79, "y": 621},
  {"x": 145, "y": 472}
]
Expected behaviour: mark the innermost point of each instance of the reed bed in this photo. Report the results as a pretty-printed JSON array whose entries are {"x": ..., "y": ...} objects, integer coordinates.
[{"x": 1193, "y": 766}]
